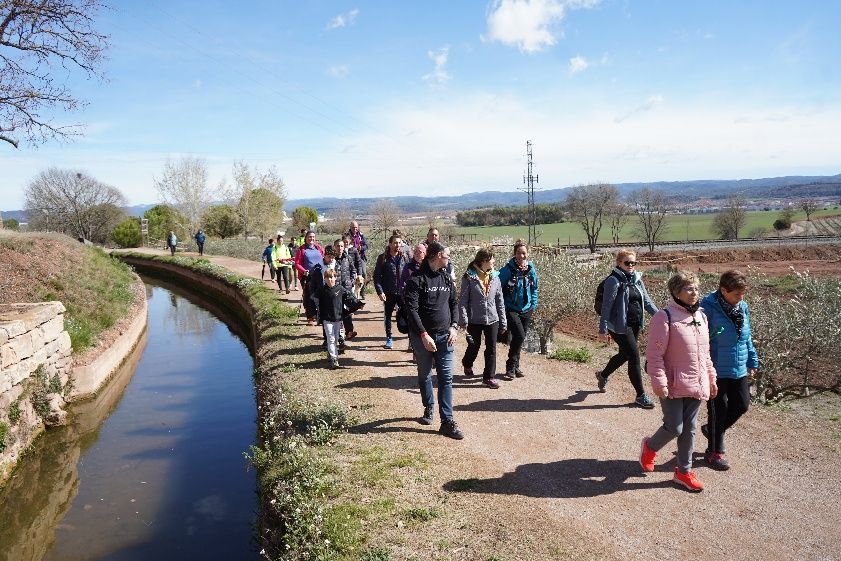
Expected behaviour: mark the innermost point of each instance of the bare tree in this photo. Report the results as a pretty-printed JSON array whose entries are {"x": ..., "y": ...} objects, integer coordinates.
[
  {"x": 259, "y": 196},
  {"x": 651, "y": 207},
  {"x": 619, "y": 213},
  {"x": 74, "y": 203},
  {"x": 385, "y": 216},
  {"x": 184, "y": 186},
  {"x": 37, "y": 37},
  {"x": 809, "y": 205},
  {"x": 731, "y": 218},
  {"x": 589, "y": 204}
]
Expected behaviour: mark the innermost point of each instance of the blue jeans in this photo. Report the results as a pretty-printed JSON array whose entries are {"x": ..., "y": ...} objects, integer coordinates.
[{"x": 443, "y": 359}]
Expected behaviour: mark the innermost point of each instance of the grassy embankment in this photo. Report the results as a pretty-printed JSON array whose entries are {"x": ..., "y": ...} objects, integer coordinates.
[
  {"x": 322, "y": 495},
  {"x": 680, "y": 227},
  {"x": 95, "y": 289}
]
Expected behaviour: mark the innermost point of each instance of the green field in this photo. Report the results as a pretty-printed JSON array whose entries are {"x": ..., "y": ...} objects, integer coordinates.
[{"x": 680, "y": 227}]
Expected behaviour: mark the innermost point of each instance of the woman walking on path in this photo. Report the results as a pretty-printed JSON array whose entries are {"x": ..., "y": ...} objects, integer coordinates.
[
  {"x": 282, "y": 262},
  {"x": 519, "y": 290},
  {"x": 682, "y": 375},
  {"x": 171, "y": 241},
  {"x": 346, "y": 275},
  {"x": 482, "y": 311},
  {"x": 621, "y": 319},
  {"x": 387, "y": 273},
  {"x": 293, "y": 251},
  {"x": 734, "y": 358},
  {"x": 308, "y": 256}
]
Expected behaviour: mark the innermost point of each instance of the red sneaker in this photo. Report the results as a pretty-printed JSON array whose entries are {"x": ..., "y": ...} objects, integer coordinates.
[
  {"x": 647, "y": 456},
  {"x": 688, "y": 480}
]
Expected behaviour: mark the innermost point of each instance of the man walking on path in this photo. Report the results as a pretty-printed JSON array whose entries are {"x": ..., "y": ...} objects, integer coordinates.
[
  {"x": 267, "y": 260},
  {"x": 171, "y": 242},
  {"x": 432, "y": 235},
  {"x": 432, "y": 309},
  {"x": 308, "y": 256},
  {"x": 387, "y": 275},
  {"x": 200, "y": 239}
]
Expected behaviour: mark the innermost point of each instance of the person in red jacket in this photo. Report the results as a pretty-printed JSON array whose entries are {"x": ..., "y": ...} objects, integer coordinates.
[{"x": 308, "y": 256}]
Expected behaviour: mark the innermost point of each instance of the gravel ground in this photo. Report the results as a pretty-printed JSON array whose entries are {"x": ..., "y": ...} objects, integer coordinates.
[{"x": 548, "y": 468}]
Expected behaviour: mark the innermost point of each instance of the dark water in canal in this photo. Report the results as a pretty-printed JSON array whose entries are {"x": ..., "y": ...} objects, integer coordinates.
[{"x": 153, "y": 468}]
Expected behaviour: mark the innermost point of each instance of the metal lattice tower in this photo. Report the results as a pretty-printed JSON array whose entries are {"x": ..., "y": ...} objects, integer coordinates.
[{"x": 529, "y": 179}]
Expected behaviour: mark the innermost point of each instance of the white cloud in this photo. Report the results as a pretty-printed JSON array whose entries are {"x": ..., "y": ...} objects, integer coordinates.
[
  {"x": 578, "y": 64},
  {"x": 647, "y": 105},
  {"x": 439, "y": 75},
  {"x": 339, "y": 71},
  {"x": 529, "y": 24},
  {"x": 343, "y": 20}
]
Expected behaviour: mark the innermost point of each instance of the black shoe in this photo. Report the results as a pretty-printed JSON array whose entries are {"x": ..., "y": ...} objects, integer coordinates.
[
  {"x": 518, "y": 373},
  {"x": 644, "y": 401},
  {"x": 602, "y": 382},
  {"x": 428, "y": 416},
  {"x": 451, "y": 430},
  {"x": 509, "y": 374},
  {"x": 705, "y": 430}
]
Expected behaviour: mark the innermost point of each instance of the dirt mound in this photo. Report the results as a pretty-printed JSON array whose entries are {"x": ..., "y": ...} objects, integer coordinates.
[
  {"x": 30, "y": 266},
  {"x": 782, "y": 253}
]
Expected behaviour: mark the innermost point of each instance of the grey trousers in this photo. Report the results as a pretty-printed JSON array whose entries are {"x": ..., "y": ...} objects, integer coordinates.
[
  {"x": 680, "y": 416},
  {"x": 331, "y": 335}
]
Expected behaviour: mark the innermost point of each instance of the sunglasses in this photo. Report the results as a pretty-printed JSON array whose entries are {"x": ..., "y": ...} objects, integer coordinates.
[{"x": 630, "y": 263}]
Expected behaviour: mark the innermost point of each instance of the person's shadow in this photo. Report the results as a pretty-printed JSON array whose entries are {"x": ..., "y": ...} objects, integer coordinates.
[
  {"x": 511, "y": 405},
  {"x": 573, "y": 478}
]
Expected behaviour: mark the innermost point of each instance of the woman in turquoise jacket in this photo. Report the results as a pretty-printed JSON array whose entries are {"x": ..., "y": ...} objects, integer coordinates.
[
  {"x": 519, "y": 291},
  {"x": 735, "y": 360}
]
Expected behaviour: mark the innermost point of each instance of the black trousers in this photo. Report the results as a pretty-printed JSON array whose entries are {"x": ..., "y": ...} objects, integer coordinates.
[
  {"x": 391, "y": 302},
  {"x": 283, "y": 275},
  {"x": 201, "y": 247},
  {"x": 629, "y": 352},
  {"x": 724, "y": 410},
  {"x": 309, "y": 305},
  {"x": 476, "y": 331},
  {"x": 518, "y": 326}
]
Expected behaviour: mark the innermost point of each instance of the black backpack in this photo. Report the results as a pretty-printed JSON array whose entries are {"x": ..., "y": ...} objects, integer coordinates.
[{"x": 597, "y": 303}]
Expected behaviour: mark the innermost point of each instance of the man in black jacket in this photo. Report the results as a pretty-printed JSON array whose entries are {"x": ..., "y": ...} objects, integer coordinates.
[{"x": 431, "y": 305}]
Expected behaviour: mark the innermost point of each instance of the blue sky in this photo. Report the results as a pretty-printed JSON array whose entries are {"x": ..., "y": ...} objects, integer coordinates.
[{"x": 439, "y": 97}]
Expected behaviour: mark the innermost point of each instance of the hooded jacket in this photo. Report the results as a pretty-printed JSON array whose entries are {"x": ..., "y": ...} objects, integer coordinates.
[
  {"x": 345, "y": 271},
  {"x": 519, "y": 288},
  {"x": 387, "y": 272},
  {"x": 614, "y": 316},
  {"x": 430, "y": 301},
  {"x": 477, "y": 308},
  {"x": 678, "y": 353},
  {"x": 732, "y": 352}
]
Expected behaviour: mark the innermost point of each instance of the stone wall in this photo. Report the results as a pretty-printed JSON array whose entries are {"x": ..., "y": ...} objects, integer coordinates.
[{"x": 35, "y": 374}]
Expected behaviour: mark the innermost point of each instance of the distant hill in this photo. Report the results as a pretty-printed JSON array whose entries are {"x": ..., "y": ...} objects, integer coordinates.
[
  {"x": 772, "y": 187},
  {"x": 790, "y": 187}
]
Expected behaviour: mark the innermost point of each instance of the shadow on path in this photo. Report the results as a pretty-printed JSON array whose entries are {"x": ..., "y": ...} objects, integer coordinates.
[
  {"x": 534, "y": 405},
  {"x": 573, "y": 478},
  {"x": 385, "y": 426}
]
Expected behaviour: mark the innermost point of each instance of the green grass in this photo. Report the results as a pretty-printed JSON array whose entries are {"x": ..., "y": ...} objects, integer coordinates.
[
  {"x": 679, "y": 227},
  {"x": 581, "y": 354}
]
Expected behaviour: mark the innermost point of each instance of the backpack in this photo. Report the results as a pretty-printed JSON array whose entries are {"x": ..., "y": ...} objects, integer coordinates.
[{"x": 597, "y": 302}]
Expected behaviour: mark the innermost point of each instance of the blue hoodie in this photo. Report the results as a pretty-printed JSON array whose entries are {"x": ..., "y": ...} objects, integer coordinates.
[
  {"x": 519, "y": 288},
  {"x": 732, "y": 353}
]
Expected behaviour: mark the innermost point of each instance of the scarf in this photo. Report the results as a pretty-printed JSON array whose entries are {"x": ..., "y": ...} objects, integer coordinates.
[
  {"x": 357, "y": 240},
  {"x": 733, "y": 312},
  {"x": 484, "y": 278},
  {"x": 689, "y": 308}
]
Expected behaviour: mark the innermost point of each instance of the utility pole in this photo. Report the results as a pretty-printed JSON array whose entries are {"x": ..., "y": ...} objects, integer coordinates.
[{"x": 529, "y": 179}]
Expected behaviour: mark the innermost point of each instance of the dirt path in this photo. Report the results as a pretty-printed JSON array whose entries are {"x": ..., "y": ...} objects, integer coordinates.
[{"x": 548, "y": 468}]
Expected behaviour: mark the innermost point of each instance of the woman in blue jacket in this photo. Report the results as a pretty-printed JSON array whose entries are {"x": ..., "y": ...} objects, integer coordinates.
[
  {"x": 519, "y": 291},
  {"x": 622, "y": 317},
  {"x": 734, "y": 358}
]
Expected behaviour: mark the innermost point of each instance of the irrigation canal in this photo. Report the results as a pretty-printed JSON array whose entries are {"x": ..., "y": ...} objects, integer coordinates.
[{"x": 153, "y": 468}]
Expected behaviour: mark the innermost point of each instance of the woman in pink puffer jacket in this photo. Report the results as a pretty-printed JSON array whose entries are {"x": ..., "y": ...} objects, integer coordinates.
[{"x": 682, "y": 375}]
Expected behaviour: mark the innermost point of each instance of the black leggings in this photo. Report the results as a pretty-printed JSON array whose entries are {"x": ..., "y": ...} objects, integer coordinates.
[
  {"x": 490, "y": 332},
  {"x": 391, "y": 302},
  {"x": 724, "y": 410},
  {"x": 628, "y": 352},
  {"x": 518, "y": 326}
]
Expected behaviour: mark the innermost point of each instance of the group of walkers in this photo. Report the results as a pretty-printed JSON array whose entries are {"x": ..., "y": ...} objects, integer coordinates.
[
  {"x": 698, "y": 350},
  {"x": 172, "y": 241}
]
